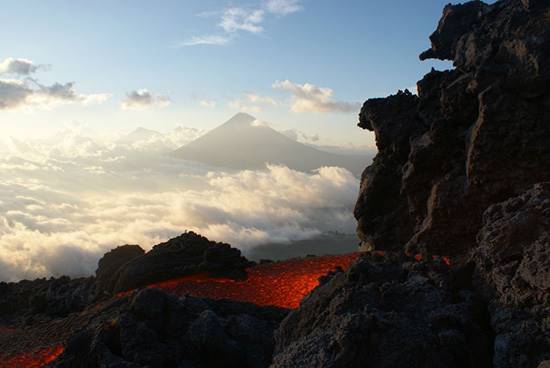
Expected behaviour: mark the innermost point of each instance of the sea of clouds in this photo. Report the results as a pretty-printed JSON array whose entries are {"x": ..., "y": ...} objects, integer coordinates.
[{"x": 67, "y": 200}]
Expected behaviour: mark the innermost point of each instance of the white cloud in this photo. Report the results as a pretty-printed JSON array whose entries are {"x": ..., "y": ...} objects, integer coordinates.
[
  {"x": 235, "y": 19},
  {"x": 13, "y": 93},
  {"x": 265, "y": 100},
  {"x": 18, "y": 67},
  {"x": 58, "y": 216},
  {"x": 252, "y": 103},
  {"x": 143, "y": 99},
  {"x": 242, "y": 106},
  {"x": 204, "y": 40},
  {"x": 207, "y": 103},
  {"x": 283, "y": 7},
  {"x": 300, "y": 136},
  {"x": 240, "y": 19},
  {"x": 310, "y": 98},
  {"x": 27, "y": 93}
]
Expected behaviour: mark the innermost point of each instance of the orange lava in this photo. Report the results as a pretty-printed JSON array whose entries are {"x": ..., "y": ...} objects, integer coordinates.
[
  {"x": 281, "y": 284},
  {"x": 35, "y": 359}
]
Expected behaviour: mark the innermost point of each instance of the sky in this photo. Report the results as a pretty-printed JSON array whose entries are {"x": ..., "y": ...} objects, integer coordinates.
[
  {"x": 111, "y": 66},
  {"x": 77, "y": 76}
]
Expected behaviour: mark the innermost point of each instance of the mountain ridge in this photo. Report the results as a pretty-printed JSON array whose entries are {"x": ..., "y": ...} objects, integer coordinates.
[{"x": 243, "y": 142}]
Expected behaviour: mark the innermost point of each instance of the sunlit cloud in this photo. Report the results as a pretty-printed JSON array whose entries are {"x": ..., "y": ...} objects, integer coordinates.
[
  {"x": 252, "y": 102},
  {"x": 29, "y": 92},
  {"x": 142, "y": 99},
  {"x": 310, "y": 98},
  {"x": 22, "y": 67},
  {"x": 69, "y": 224}
]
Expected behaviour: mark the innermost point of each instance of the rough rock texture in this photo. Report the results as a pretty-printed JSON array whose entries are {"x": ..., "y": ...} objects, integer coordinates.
[
  {"x": 513, "y": 273},
  {"x": 475, "y": 135},
  {"x": 108, "y": 268},
  {"x": 26, "y": 301},
  {"x": 388, "y": 311},
  {"x": 187, "y": 254},
  {"x": 151, "y": 328}
]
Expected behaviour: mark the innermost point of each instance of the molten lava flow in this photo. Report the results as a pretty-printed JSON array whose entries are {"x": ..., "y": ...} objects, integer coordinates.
[
  {"x": 35, "y": 359},
  {"x": 281, "y": 284}
]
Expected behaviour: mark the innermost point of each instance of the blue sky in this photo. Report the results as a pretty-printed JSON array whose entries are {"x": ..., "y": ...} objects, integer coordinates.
[{"x": 296, "y": 64}]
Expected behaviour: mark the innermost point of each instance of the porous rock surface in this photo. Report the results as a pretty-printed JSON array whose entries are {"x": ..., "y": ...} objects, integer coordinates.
[{"x": 513, "y": 274}]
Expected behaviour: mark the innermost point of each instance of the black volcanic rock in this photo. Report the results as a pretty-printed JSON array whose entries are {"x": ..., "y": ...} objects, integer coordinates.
[
  {"x": 386, "y": 311},
  {"x": 26, "y": 300},
  {"x": 153, "y": 329},
  {"x": 474, "y": 136},
  {"x": 187, "y": 254},
  {"x": 513, "y": 274},
  {"x": 109, "y": 266}
]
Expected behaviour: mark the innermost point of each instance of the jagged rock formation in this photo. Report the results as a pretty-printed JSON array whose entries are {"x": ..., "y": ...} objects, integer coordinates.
[
  {"x": 388, "y": 311},
  {"x": 474, "y": 135}
]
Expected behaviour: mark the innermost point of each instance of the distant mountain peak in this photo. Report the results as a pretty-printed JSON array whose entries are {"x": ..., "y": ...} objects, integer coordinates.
[
  {"x": 243, "y": 142},
  {"x": 240, "y": 119}
]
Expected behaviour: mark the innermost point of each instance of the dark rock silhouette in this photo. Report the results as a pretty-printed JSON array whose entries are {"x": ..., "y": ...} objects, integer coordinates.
[
  {"x": 187, "y": 254},
  {"x": 474, "y": 136},
  {"x": 108, "y": 268}
]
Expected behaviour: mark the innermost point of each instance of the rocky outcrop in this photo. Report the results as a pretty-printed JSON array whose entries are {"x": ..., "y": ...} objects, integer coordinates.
[
  {"x": 184, "y": 255},
  {"x": 109, "y": 266},
  {"x": 474, "y": 136},
  {"x": 513, "y": 273},
  {"x": 388, "y": 311},
  {"x": 151, "y": 328}
]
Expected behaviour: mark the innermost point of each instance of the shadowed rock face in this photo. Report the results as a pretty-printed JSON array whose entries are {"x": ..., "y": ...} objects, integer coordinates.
[
  {"x": 387, "y": 311},
  {"x": 474, "y": 136},
  {"x": 108, "y": 268},
  {"x": 154, "y": 329}
]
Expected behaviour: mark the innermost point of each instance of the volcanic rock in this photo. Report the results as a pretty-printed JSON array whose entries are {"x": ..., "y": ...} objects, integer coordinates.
[
  {"x": 109, "y": 265},
  {"x": 513, "y": 273},
  {"x": 474, "y": 136},
  {"x": 386, "y": 311},
  {"x": 151, "y": 328},
  {"x": 187, "y": 254}
]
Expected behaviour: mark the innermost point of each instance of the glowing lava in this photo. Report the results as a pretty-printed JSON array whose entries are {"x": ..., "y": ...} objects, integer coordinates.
[
  {"x": 281, "y": 284},
  {"x": 35, "y": 359}
]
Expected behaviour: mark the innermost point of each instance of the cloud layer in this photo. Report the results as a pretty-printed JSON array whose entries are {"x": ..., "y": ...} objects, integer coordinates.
[{"x": 67, "y": 201}]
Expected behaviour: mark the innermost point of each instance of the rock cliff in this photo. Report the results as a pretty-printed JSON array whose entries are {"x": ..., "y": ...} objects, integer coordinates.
[{"x": 475, "y": 135}]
